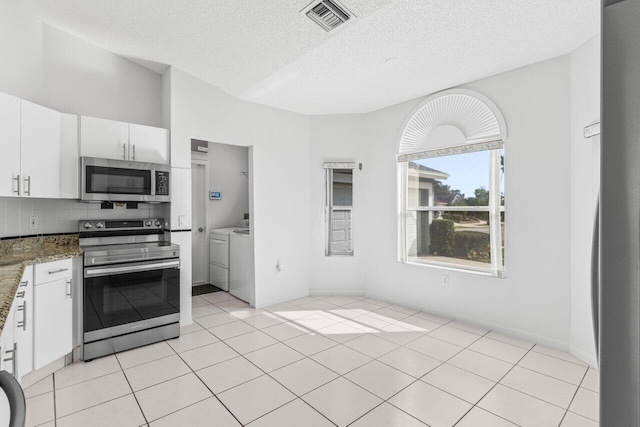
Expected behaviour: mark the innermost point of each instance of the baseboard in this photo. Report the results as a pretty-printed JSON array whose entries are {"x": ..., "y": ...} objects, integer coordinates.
[
  {"x": 498, "y": 327},
  {"x": 273, "y": 301},
  {"x": 338, "y": 292},
  {"x": 584, "y": 356}
]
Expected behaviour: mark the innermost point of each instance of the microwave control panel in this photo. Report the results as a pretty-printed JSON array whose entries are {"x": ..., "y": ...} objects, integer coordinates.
[{"x": 162, "y": 183}]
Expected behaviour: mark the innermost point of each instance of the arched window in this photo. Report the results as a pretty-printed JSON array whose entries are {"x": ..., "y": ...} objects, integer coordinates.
[{"x": 451, "y": 183}]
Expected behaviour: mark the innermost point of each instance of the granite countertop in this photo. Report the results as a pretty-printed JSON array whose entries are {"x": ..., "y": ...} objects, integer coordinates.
[{"x": 16, "y": 254}]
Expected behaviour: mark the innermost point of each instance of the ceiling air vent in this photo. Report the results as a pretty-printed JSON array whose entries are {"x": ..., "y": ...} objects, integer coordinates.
[{"x": 328, "y": 15}]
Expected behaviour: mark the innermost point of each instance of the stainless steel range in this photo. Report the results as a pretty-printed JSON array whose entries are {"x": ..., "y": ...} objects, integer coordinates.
[{"x": 131, "y": 285}]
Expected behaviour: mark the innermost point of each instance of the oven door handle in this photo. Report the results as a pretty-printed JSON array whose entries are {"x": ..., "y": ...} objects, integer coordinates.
[{"x": 104, "y": 271}]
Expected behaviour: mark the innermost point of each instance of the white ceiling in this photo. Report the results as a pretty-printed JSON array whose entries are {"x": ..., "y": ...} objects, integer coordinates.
[{"x": 268, "y": 52}]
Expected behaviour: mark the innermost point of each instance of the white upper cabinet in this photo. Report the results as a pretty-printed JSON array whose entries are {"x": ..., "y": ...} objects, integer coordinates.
[
  {"x": 109, "y": 139},
  {"x": 149, "y": 144},
  {"x": 40, "y": 150},
  {"x": 10, "y": 143},
  {"x": 106, "y": 139},
  {"x": 69, "y": 157}
]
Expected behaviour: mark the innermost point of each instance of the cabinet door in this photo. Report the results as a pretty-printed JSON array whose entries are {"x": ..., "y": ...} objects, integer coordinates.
[
  {"x": 40, "y": 151},
  {"x": 7, "y": 343},
  {"x": 149, "y": 144},
  {"x": 53, "y": 313},
  {"x": 105, "y": 139},
  {"x": 23, "y": 324},
  {"x": 69, "y": 155},
  {"x": 10, "y": 143}
]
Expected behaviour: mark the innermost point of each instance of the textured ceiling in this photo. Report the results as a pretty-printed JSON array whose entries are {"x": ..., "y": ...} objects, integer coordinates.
[{"x": 268, "y": 52}]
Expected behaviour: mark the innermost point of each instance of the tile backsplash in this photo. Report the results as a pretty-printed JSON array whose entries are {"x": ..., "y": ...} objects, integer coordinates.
[{"x": 62, "y": 216}]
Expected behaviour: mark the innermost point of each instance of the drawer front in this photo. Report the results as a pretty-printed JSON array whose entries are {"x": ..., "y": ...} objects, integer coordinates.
[
  {"x": 219, "y": 250},
  {"x": 50, "y": 271}
]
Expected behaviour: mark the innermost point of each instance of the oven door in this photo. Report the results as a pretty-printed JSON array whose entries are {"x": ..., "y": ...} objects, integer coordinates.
[{"x": 124, "y": 298}]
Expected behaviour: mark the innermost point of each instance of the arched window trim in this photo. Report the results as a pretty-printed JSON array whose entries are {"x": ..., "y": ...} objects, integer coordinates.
[
  {"x": 483, "y": 126},
  {"x": 473, "y": 114}
]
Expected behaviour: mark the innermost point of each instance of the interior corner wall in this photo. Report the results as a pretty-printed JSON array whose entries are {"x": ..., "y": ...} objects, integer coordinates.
[
  {"x": 533, "y": 300},
  {"x": 585, "y": 183},
  {"x": 280, "y": 153},
  {"x": 58, "y": 70},
  {"x": 336, "y": 138}
]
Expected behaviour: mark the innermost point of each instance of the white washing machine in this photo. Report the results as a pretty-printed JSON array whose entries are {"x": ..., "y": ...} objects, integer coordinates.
[
  {"x": 219, "y": 256},
  {"x": 241, "y": 270}
]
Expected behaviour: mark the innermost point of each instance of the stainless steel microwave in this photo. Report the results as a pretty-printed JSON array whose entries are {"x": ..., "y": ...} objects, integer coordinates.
[{"x": 123, "y": 181}]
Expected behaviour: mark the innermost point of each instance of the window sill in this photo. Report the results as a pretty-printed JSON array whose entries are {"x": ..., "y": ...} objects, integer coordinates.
[{"x": 459, "y": 269}]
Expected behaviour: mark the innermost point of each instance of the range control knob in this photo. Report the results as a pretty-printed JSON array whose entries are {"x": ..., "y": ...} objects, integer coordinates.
[
  {"x": 158, "y": 223},
  {"x": 99, "y": 224},
  {"x": 87, "y": 225},
  {"x": 147, "y": 223}
]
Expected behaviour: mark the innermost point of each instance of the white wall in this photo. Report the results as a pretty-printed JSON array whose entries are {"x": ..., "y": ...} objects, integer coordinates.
[
  {"x": 50, "y": 67},
  {"x": 336, "y": 138},
  {"x": 585, "y": 182},
  {"x": 280, "y": 143},
  {"x": 533, "y": 301},
  {"x": 225, "y": 163}
]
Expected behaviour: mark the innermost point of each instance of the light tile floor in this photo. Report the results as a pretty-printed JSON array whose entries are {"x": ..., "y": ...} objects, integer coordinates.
[{"x": 322, "y": 361}]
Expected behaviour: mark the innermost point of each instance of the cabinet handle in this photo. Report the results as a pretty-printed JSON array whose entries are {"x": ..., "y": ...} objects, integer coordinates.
[
  {"x": 27, "y": 180},
  {"x": 24, "y": 284},
  {"x": 23, "y": 324},
  {"x": 69, "y": 288},
  {"x": 13, "y": 359},
  {"x": 60, "y": 270},
  {"x": 17, "y": 180},
  {"x": 20, "y": 294},
  {"x": 124, "y": 151},
  {"x": 134, "y": 151}
]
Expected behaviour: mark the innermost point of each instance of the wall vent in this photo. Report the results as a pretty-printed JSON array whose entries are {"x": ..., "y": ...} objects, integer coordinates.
[{"x": 328, "y": 15}]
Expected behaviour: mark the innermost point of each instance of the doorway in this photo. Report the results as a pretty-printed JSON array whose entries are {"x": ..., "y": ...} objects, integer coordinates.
[{"x": 199, "y": 179}]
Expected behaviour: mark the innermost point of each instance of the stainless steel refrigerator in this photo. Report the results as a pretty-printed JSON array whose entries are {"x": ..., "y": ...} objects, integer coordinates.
[{"x": 619, "y": 292}]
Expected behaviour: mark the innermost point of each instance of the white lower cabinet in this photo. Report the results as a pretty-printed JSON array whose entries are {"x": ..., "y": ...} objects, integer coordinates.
[
  {"x": 16, "y": 342},
  {"x": 53, "y": 312},
  {"x": 38, "y": 328}
]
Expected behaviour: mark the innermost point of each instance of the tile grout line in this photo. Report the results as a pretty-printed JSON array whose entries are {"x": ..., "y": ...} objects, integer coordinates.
[
  {"x": 285, "y": 387},
  {"x": 376, "y": 359},
  {"x": 144, "y": 416},
  {"x": 427, "y": 333},
  {"x": 339, "y": 375},
  {"x": 211, "y": 391},
  {"x": 573, "y": 397},
  {"x": 55, "y": 410},
  {"x": 326, "y": 367},
  {"x": 494, "y": 386}
]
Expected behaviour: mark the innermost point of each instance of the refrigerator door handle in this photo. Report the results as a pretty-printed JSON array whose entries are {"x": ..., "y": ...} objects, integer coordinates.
[{"x": 595, "y": 278}]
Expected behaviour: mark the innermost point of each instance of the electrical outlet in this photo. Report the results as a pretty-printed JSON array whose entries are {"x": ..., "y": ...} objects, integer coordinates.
[
  {"x": 445, "y": 280},
  {"x": 181, "y": 220},
  {"x": 33, "y": 223}
]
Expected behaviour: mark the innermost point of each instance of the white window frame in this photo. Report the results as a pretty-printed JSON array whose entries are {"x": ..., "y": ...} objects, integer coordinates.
[
  {"x": 494, "y": 207},
  {"x": 329, "y": 209}
]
